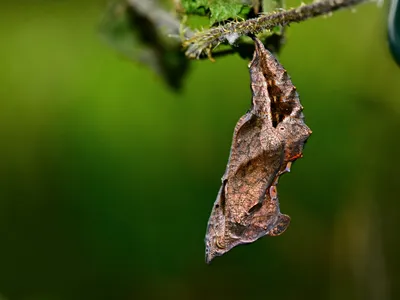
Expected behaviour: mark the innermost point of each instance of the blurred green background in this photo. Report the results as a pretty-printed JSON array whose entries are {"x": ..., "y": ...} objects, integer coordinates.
[{"x": 107, "y": 177}]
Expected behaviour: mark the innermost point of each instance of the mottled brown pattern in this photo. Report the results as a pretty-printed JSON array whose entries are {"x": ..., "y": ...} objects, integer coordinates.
[{"x": 266, "y": 141}]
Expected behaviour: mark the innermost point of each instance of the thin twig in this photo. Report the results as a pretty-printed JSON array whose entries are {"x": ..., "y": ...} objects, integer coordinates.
[{"x": 202, "y": 42}]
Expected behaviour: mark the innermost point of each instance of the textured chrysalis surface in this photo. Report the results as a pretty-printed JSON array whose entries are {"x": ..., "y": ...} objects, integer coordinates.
[{"x": 266, "y": 141}]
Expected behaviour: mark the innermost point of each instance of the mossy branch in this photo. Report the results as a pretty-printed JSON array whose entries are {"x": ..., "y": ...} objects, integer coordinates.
[{"x": 203, "y": 42}]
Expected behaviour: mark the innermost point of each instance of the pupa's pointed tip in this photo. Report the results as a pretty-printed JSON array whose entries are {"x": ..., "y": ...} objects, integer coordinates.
[
  {"x": 209, "y": 252},
  {"x": 209, "y": 258}
]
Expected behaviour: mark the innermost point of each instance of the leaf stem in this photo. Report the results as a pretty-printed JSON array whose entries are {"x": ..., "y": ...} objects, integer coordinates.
[{"x": 202, "y": 42}]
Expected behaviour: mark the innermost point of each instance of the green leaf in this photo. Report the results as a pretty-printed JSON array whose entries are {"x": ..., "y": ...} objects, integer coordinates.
[
  {"x": 222, "y": 10},
  {"x": 272, "y": 5},
  {"x": 218, "y": 10},
  {"x": 144, "y": 38},
  {"x": 196, "y": 7}
]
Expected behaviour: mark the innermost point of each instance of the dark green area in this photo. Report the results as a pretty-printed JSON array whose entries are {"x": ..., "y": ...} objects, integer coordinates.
[
  {"x": 394, "y": 29},
  {"x": 107, "y": 177}
]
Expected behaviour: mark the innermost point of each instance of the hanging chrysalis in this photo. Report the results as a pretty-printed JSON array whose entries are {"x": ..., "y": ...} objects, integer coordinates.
[{"x": 266, "y": 141}]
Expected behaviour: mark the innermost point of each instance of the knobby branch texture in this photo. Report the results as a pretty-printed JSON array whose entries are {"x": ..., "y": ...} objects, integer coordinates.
[{"x": 203, "y": 42}]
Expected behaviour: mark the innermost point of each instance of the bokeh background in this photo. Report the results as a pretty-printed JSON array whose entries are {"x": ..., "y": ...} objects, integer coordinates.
[{"x": 107, "y": 176}]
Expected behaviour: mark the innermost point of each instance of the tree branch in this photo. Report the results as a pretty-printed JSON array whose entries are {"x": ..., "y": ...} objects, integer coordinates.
[{"x": 203, "y": 42}]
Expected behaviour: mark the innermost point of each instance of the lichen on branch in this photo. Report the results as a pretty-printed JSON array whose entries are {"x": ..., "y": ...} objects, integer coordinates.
[{"x": 204, "y": 41}]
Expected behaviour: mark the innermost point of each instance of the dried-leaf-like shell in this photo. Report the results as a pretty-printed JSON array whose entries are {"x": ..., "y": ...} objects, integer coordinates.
[{"x": 266, "y": 140}]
